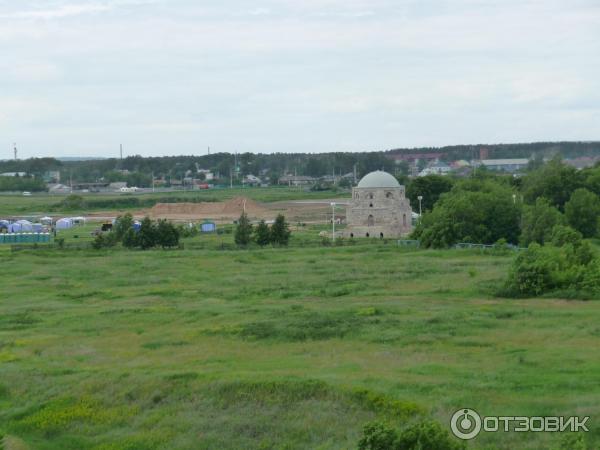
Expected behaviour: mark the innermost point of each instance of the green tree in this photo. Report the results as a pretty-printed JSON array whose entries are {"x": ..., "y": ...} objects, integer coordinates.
[
  {"x": 582, "y": 212},
  {"x": 538, "y": 220},
  {"x": 476, "y": 211},
  {"x": 167, "y": 235},
  {"x": 262, "y": 234},
  {"x": 130, "y": 238},
  {"x": 243, "y": 231},
  {"x": 554, "y": 181},
  {"x": 147, "y": 236},
  {"x": 122, "y": 225},
  {"x": 430, "y": 187},
  {"x": 562, "y": 235},
  {"x": 280, "y": 232}
]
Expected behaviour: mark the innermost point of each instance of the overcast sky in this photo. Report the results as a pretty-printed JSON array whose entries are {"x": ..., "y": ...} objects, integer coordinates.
[{"x": 163, "y": 77}]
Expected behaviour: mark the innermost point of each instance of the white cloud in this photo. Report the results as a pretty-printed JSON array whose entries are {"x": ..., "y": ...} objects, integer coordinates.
[
  {"x": 67, "y": 10},
  {"x": 382, "y": 73}
]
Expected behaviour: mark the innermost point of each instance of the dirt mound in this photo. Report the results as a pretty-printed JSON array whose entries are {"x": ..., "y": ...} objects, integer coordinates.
[{"x": 215, "y": 210}]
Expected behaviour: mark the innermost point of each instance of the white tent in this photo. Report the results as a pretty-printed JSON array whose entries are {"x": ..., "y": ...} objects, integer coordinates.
[
  {"x": 25, "y": 225},
  {"x": 46, "y": 220},
  {"x": 15, "y": 228},
  {"x": 64, "y": 224}
]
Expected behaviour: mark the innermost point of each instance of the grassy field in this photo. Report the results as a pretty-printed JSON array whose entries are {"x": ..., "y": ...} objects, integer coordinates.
[
  {"x": 278, "y": 348},
  {"x": 37, "y": 204}
]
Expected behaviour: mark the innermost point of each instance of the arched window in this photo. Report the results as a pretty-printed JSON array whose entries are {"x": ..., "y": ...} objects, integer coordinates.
[
  {"x": 370, "y": 205},
  {"x": 367, "y": 235},
  {"x": 371, "y": 196},
  {"x": 356, "y": 195},
  {"x": 371, "y": 221},
  {"x": 380, "y": 235},
  {"x": 404, "y": 219},
  {"x": 389, "y": 195}
]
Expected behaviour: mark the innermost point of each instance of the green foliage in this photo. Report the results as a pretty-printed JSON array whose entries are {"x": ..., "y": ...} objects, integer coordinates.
[
  {"x": 243, "y": 231},
  {"x": 538, "y": 220},
  {"x": 573, "y": 441},
  {"x": 476, "y": 211},
  {"x": 130, "y": 239},
  {"x": 104, "y": 240},
  {"x": 378, "y": 436},
  {"x": 431, "y": 187},
  {"x": 166, "y": 234},
  {"x": 147, "y": 236},
  {"x": 262, "y": 234},
  {"x": 422, "y": 435},
  {"x": 73, "y": 202},
  {"x": 187, "y": 231},
  {"x": 554, "y": 181},
  {"x": 428, "y": 435},
  {"x": 582, "y": 212},
  {"x": 569, "y": 266},
  {"x": 122, "y": 225},
  {"x": 62, "y": 414},
  {"x": 19, "y": 184},
  {"x": 562, "y": 235},
  {"x": 280, "y": 232}
]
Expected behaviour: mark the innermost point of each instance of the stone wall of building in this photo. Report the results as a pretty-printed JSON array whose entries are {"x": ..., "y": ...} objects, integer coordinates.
[{"x": 378, "y": 212}]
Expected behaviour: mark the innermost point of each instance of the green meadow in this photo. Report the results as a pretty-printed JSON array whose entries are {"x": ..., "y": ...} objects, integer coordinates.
[{"x": 291, "y": 348}]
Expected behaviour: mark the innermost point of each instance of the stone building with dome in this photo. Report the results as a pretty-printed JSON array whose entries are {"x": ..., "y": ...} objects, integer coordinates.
[{"x": 379, "y": 208}]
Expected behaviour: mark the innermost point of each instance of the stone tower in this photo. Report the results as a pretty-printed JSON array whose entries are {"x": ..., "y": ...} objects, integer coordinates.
[{"x": 379, "y": 208}]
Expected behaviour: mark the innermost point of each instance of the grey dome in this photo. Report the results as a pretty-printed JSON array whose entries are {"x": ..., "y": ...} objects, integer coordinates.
[{"x": 378, "y": 179}]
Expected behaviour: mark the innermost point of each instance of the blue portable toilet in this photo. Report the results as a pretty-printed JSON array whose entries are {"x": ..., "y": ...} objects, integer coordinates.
[
  {"x": 208, "y": 227},
  {"x": 137, "y": 226}
]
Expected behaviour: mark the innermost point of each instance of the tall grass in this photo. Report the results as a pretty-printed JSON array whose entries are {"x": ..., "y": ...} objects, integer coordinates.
[{"x": 279, "y": 348}]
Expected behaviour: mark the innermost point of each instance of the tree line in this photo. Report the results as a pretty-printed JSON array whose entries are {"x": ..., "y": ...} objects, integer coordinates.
[
  {"x": 137, "y": 170},
  {"x": 550, "y": 211}
]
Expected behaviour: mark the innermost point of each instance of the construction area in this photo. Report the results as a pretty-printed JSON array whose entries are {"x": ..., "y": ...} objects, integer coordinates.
[{"x": 227, "y": 211}]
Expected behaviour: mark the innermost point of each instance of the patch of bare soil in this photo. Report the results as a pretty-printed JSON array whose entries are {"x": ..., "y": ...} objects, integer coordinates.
[{"x": 231, "y": 209}]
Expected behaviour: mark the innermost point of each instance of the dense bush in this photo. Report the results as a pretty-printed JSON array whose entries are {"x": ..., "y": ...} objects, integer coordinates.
[
  {"x": 423, "y": 435},
  {"x": 104, "y": 240},
  {"x": 73, "y": 202},
  {"x": 565, "y": 264},
  {"x": 537, "y": 222}
]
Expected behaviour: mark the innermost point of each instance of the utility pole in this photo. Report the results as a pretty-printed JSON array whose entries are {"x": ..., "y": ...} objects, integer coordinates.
[
  {"x": 333, "y": 222},
  {"x": 15, "y": 148},
  {"x": 121, "y": 151}
]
